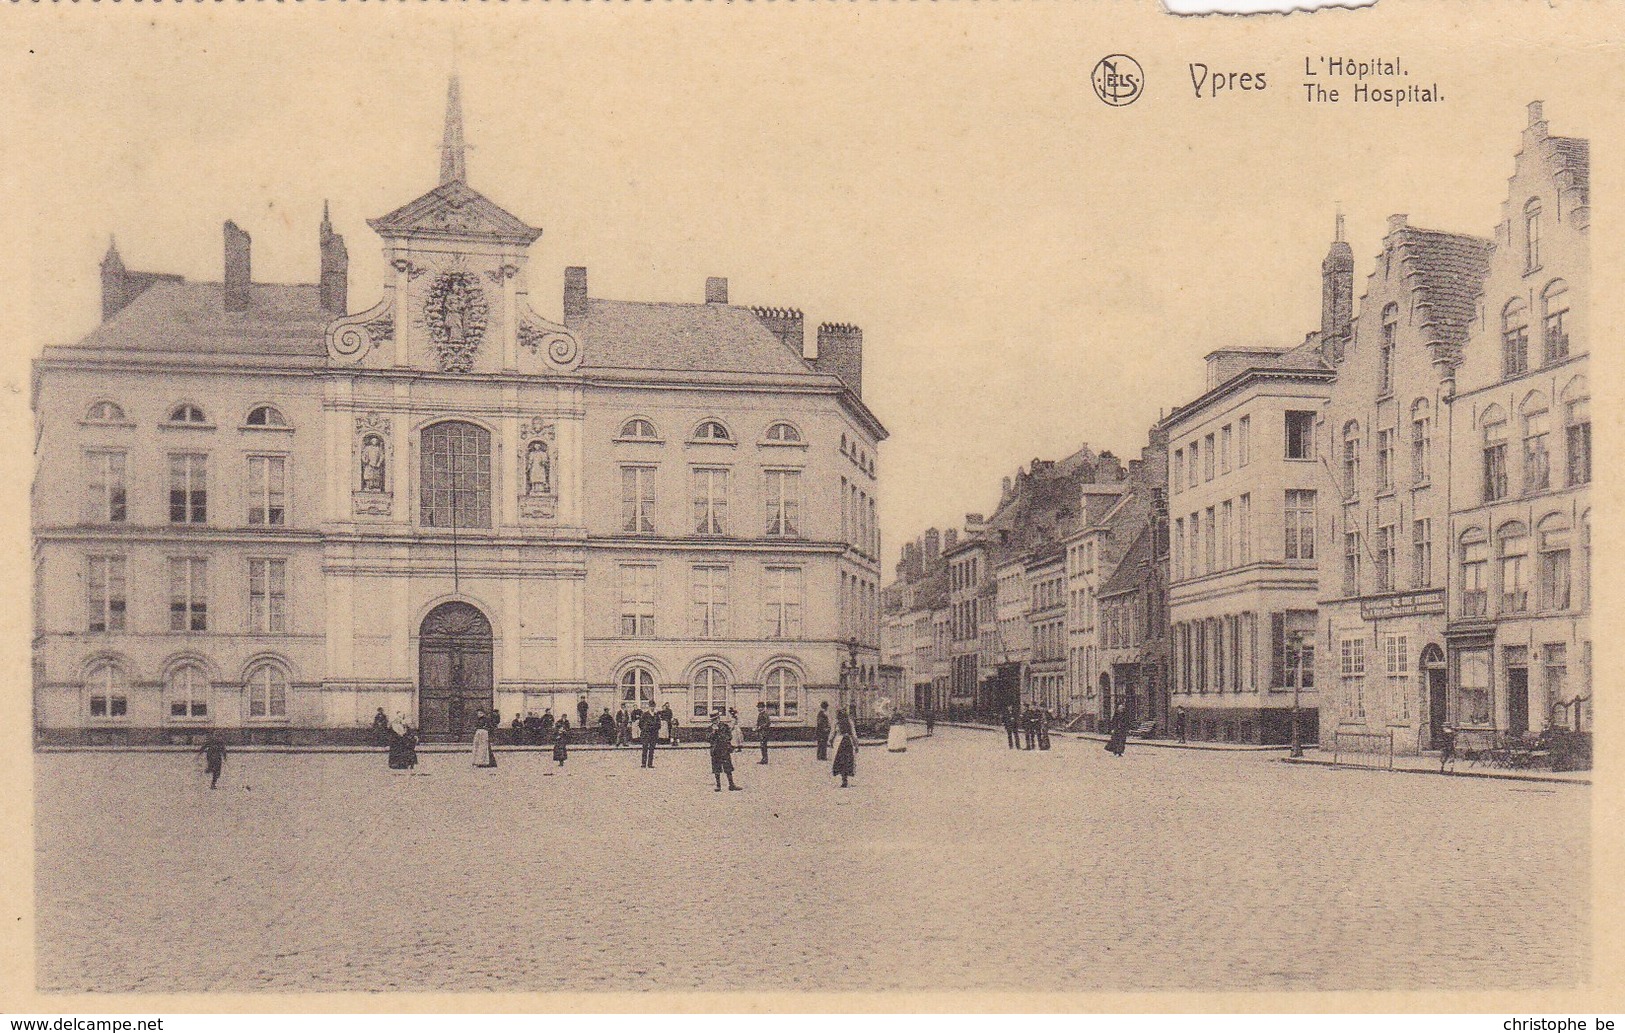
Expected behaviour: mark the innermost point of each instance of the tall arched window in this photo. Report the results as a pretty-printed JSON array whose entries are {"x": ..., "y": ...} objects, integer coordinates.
[
  {"x": 1514, "y": 338},
  {"x": 456, "y": 483},
  {"x": 105, "y": 688},
  {"x": 1577, "y": 430},
  {"x": 1531, "y": 234},
  {"x": 1390, "y": 336},
  {"x": 637, "y": 689},
  {"x": 781, "y": 691},
  {"x": 1512, "y": 547},
  {"x": 1351, "y": 459},
  {"x": 1494, "y": 427},
  {"x": 710, "y": 691},
  {"x": 267, "y": 688},
  {"x": 187, "y": 691},
  {"x": 1554, "y": 328},
  {"x": 1421, "y": 440},
  {"x": 1537, "y": 425},
  {"x": 1552, "y": 539}
]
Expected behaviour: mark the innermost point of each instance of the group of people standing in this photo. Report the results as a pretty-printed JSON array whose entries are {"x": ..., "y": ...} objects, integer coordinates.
[
  {"x": 1027, "y": 727},
  {"x": 726, "y": 736}
]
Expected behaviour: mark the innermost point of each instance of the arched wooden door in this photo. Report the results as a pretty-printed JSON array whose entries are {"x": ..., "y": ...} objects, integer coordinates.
[{"x": 454, "y": 670}]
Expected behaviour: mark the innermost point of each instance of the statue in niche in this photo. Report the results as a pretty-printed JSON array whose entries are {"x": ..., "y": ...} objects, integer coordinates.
[
  {"x": 372, "y": 463},
  {"x": 538, "y": 469}
]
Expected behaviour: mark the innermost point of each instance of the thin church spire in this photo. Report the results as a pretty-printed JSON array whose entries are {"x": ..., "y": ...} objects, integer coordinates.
[{"x": 452, "y": 166}]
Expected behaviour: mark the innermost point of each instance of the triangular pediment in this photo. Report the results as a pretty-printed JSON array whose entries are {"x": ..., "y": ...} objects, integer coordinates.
[{"x": 455, "y": 211}]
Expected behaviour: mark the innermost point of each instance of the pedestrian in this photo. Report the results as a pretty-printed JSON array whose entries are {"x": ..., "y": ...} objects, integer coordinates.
[
  {"x": 722, "y": 750},
  {"x": 1447, "y": 748},
  {"x": 582, "y": 710},
  {"x": 664, "y": 718},
  {"x": 380, "y": 727},
  {"x": 561, "y": 743},
  {"x": 214, "y": 757},
  {"x": 403, "y": 754},
  {"x": 672, "y": 730},
  {"x": 736, "y": 730},
  {"x": 823, "y": 730},
  {"x": 930, "y": 721},
  {"x": 1012, "y": 739},
  {"x": 648, "y": 736},
  {"x": 1179, "y": 722},
  {"x": 1119, "y": 740},
  {"x": 1029, "y": 727},
  {"x": 518, "y": 729},
  {"x": 763, "y": 725},
  {"x": 1043, "y": 728},
  {"x": 623, "y": 734},
  {"x": 606, "y": 727},
  {"x": 547, "y": 724},
  {"x": 483, "y": 755},
  {"x": 846, "y": 747}
]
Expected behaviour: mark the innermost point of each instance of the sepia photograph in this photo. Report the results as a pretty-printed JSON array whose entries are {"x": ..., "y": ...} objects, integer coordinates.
[{"x": 780, "y": 501}]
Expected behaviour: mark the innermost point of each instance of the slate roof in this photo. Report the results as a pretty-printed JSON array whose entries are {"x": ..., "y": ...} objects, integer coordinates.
[
  {"x": 1449, "y": 270},
  {"x": 190, "y": 318},
  {"x": 1573, "y": 156},
  {"x": 1129, "y": 574},
  {"x": 683, "y": 337}
]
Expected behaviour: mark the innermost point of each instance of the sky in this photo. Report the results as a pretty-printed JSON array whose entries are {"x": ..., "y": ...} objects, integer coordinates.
[{"x": 1032, "y": 269}]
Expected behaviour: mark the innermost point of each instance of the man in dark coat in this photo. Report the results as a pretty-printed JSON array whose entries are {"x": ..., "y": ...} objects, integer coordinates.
[
  {"x": 930, "y": 723},
  {"x": 823, "y": 730},
  {"x": 1179, "y": 723},
  {"x": 1119, "y": 740},
  {"x": 380, "y": 727},
  {"x": 764, "y": 725},
  {"x": 720, "y": 737},
  {"x": 582, "y": 710},
  {"x": 648, "y": 737},
  {"x": 547, "y": 725},
  {"x": 1012, "y": 738},
  {"x": 518, "y": 729},
  {"x": 214, "y": 757},
  {"x": 606, "y": 727},
  {"x": 1029, "y": 727}
]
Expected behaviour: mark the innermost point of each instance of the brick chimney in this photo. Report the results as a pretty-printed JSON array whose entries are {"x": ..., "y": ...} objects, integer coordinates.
[
  {"x": 113, "y": 274},
  {"x": 840, "y": 351},
  {"x": 950, "y": 539},
  {"x": 933, "y": 545},
  {"x": 786, "y": 325},
  {"x": 238, "y": 272},
  {"x": 716, "y": 290},
  {"x": 575, "y": 295},
  {"x": 335, "y": 276}
]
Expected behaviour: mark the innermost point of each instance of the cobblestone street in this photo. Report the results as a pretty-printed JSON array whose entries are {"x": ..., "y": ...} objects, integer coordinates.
[{"x": 958, "y": 865}]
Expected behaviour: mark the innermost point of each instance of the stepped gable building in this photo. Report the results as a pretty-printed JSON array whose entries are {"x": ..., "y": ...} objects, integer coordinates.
[
  {"x": 259, "y": 511},
  {"x": 1518, "y": 636},
  {"x": 1383, "y": 557}
]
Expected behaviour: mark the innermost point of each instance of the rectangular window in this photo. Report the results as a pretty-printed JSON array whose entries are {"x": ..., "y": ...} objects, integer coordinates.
[
  {"x": 1300, "y": 435},
  {"x": 1300, "y": 525},
  {"x": 637, "y": 600},
  {"x": 1178, "y": 481},
  {"x": 1537, "y": 467},
  {"x": 1554, "y": 569},
  {"x": 1244, "y": 444},
  {"x": 846, "y": 512},
  {"x": 710, "y": 500},
  {"x": 104, "y": 479},
  {"x": 188, "y": 488},
  {"x": 1225, "y": 526},
  {"x": 456, "y": 476},
  {"x": 1387, "y": 557},
  {"x": 267, "y": 596},
  {"x": 1577, "y": 421},
  {"x": 710, "y": 602},
  {"x": 1224, "y": 448},
  {"x": 783, "y": 595},
  {"x": 1385, "y": 460},
  {"x": 188, "y": 594},
  {"x": 1195, "y": 565},
  {"x": 1351, "y": 465},
  {"x": 1351, "y": 669},
  {"x": 1199, "y": 648},
  {"x": 1475, "y": 558},
  {"x": 1556, "y": 669},
  {"x": 1351, "y": 563},
  {"x": 1244, "y": 530},
  {"x": 1179, "y": 547},
  {"x": 1210, "y": 553},
  {"x": 638, "y": 499},
  {"x": 783, "y": 503},
  {"x": 1421, "y": 553},
  {"x": 1385, "y": 371},
  {"x": 105, "y": 579},
  {"x": 1495, "y": 462},
  {"x": 1473, "y": 687},
  {"x": 1515, "y": 351},
  {"x": 1555, "y": 332},
  {"x": 1207, "y": 458},
  {"x": 1514, "y": 574},
  {"x": 1421, "y": 448},
  {"x": 1195, "y": 451},
  {"x": 267, "y": 490}
]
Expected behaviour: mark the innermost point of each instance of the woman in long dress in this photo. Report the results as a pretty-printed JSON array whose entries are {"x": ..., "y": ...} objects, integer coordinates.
[
  {"x": 561, "y": 743},
  {"x": 398, "y": 750},
  {"x": 483, "y": 757},
  {"x": 1119, "y": 740},
  {"x": 846, "y": 747},
  {"x": 736, "y": 731}
]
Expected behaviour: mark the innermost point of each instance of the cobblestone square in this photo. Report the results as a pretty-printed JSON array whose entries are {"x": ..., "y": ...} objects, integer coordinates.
[{"x": 958, "y": 865}]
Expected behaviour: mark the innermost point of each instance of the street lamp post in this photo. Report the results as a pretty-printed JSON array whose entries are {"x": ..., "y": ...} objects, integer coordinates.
[{"x": 1297, "y": 688}]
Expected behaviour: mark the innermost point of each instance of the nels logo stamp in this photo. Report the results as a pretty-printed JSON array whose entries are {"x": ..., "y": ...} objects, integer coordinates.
[{"x": 1118, "y": 80}]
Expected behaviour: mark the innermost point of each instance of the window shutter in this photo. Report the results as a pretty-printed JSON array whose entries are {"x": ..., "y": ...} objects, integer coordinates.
[{"x": 1277, "y": 650}]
